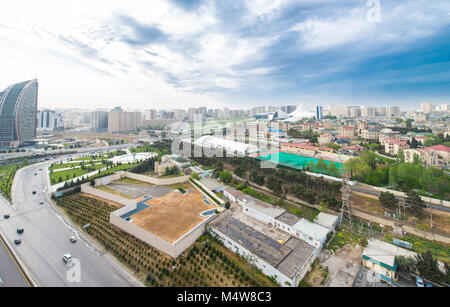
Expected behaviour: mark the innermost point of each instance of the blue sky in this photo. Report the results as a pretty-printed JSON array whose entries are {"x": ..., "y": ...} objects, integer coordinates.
[{"x": 228, "y": 53}]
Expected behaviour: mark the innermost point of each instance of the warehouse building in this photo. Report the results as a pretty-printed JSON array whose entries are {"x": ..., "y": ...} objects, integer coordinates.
[{"x": 287, "y": 262}]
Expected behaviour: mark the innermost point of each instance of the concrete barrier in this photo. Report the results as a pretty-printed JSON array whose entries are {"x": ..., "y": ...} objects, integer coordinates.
[{"x": 86, "y": 188}]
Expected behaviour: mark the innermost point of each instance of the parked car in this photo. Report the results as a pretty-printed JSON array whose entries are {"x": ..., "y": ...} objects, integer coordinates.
[
  {"x": 19, "y": 231},
  {"x": 6, "y": 216},
  {"x": 17, "y": 241},
  {"x": 428, "y": 285},
  {"x": 67, "y": 258},
  {"x": 41, "y": 202},
  {"x": 419, "y": 282},
  {"x": 73, "y": 239}
]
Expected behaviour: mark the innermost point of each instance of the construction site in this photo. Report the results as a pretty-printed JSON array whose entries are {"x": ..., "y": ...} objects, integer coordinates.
[{"x": 167, "y": 217}]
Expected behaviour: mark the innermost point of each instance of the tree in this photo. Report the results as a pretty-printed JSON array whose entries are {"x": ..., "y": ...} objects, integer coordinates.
[
  {"x": 92, "y": 182},
  {"x": 333, "y": 170},
  {"x": 240, "y": 171},
  {"x": 428, "y": 267},
  {"x": 274, "y": 184},
  {"x": 400, "y": 156},
  {"x": 227, "y": 205},
  {"x": 311, "y": 166},
  {"x": 388, "y": 200},
  {"x": 409, "y": 122},
  {"x": 416, "y": 159},
  {"x": 415, "y": 202},
  {"x": 321, "y": 166},
  {"x": 225, "y": 176}
]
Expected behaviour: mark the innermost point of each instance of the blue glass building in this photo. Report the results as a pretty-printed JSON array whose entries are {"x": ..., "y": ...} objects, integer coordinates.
[{"x": 18, "y": 114}]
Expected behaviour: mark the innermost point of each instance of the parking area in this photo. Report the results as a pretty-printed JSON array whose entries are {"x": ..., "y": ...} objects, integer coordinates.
[{"x": 137, "y": 191}]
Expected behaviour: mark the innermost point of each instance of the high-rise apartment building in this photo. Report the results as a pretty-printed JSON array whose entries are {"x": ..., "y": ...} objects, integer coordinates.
[
  {"x": 319, "y": 113},
  {"x": 18, "y": 113},
  {"x": 151, "y": 114},
  {"x": 427, "y": 107},
  {"x": 120, "y": 121},
  {"x": 49, "y": 120},
  {"x": 288, "y": 109},
  {"x": 393, "y": 111},
  {"x": 381, "y": 111},
  {"x": 99, "y": 121}
]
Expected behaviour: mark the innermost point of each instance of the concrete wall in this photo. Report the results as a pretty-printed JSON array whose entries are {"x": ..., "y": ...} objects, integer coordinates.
[
  {"x": 156, "y": 181},
  {"x": 143, "y": 235},
  {"x": 221, "y": 201},
  {"x": 86, "y": 188},
  {"x": 188, "y": 239}
]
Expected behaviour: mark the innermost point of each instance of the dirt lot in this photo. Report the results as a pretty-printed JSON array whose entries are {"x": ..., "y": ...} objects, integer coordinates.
[
  {"x": 172, "y": 215},
  {"x": 343, "y": 266}
]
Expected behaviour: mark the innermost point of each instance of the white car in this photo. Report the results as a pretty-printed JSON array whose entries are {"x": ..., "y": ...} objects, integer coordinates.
[
  {"x": 67, "y": 258},
  {"x": 73, "y": 239}
]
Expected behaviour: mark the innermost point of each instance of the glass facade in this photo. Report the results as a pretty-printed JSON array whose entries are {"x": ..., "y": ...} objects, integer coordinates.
[{"x": 18, "y": 108}]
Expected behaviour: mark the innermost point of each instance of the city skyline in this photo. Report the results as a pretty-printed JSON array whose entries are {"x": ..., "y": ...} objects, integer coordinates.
[{"x": 179, "y": 54}]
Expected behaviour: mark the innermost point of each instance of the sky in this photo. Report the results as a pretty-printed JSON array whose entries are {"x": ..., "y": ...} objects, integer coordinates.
[{"x": 228, "y": 53}]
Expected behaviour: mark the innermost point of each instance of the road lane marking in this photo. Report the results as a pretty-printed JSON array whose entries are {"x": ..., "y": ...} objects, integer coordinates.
[{"x": 15, "y": 262}]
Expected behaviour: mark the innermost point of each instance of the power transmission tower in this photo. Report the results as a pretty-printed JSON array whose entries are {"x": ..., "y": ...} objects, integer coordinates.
[
  {"x": 346, "y": 190},
  {"x": 346, "y": 209}
]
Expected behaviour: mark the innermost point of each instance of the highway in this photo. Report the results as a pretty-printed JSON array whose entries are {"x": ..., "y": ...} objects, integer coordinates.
[
  {"x": 11, "y": 274},
  {"x": 46, "y": 238}
]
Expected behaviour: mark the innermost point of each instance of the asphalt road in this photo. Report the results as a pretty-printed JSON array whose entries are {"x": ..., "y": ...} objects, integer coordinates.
[
  {"x": 46, "y": 239},
  {"x": 11, "y": 274}
]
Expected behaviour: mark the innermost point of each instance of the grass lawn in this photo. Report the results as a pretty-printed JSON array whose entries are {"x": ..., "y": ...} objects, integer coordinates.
[
  {"x": 54, "y": 177},
  {"x": 299, "y": 210},
  {"x": 439, "y": 251},
  {"x": 73, "y": 164},
  {"x": 343, "y": 237},
  {"x": 7, "y": 173}
]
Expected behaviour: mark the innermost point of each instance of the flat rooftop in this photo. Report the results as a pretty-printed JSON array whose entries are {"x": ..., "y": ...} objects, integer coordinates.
[
  {"x": 261, "y": 206},
  {"x": 288, "y": 258},
  {"x": 288, "y": 218},
  {"x": 172, "y": 215}
]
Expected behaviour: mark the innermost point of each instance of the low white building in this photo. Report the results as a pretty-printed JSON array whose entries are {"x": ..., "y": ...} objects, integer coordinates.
[
  {"x": 329, "y": 221},
  {"x": 286, "y": 262},
  {"x": 231, "y": 147},
  {"x": 296, "y": 226}
]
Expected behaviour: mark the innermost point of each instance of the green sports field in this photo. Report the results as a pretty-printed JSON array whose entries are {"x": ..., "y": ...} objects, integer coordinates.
[{"x": 293, "y": 160}]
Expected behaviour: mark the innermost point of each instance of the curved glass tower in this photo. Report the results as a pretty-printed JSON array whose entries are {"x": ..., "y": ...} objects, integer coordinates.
[{"x": 18, "y": 109}]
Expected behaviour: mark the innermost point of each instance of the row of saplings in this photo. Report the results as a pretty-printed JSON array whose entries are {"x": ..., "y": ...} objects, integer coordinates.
[{"x": 203, "y": 265}]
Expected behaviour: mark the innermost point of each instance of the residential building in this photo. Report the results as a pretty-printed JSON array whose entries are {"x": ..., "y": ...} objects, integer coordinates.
[
  {"x": 99, "y": 121},
  {"x": 49, "y": 120},
  {"x": 347, "y": 131},
  {"x": 120, "y": 121},
  {"x": 426, "y": 107},
  {"x": 319, "y": 113},
  {"x": 325, "y": 138},
  {"x": 370, "y": 134},
  {"x": 18, "y": 114},
  {"x": 392, "y": 146}
]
